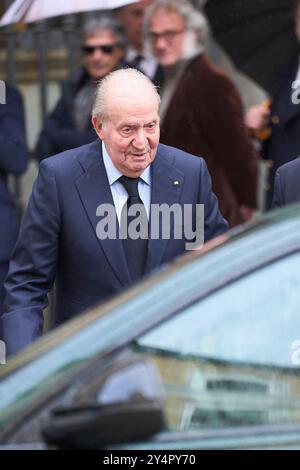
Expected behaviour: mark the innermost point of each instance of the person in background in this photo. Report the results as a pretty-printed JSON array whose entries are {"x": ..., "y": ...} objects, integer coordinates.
[
  {"x": 13, "y": 161},
  {"x": 132, "y": 18},
  {"x": 69, "y": 124},
  {"x": 201, "y": 110},
  {"x": 278, "y": 121}
]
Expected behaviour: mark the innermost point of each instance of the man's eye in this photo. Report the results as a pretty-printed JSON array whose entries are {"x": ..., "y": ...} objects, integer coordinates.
[
  {"x": 151, "y": 126},
  {"x": 126, "y": 130}
]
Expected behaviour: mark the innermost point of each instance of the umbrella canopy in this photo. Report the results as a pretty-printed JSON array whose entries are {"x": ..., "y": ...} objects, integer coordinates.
[
  {"x": 28, "y": 11},
  {"x": 258, "y": 35}
]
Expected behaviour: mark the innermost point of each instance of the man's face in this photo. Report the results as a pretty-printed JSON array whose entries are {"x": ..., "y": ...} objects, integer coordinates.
[
  {"x": 130, "y": 132},
  {"x": 98, "y": 62},
  {"x": 132, "y": 17},
  {"x": 167, "y": 34}
]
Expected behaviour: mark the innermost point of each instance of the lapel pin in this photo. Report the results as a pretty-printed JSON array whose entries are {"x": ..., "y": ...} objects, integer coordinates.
[{"x": 176, "y": 183}]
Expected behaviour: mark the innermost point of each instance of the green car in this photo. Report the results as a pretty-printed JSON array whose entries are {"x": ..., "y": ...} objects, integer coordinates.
[{"x": 204, "y": 354}]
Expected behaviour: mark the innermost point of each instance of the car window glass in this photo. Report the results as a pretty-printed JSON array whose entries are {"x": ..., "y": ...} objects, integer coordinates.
[
  {"x": 253, "y": 320},
  {"x": 233, "y": 359}
]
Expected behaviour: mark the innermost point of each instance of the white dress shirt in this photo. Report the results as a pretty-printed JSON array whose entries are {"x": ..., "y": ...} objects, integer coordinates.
[
  {"x": 119, "y": 193},
  {"x": 148, "y": 65}
]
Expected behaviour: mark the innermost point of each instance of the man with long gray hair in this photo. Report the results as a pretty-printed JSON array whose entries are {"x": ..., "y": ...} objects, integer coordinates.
[
  {"x": 69, "y": 124},
  {"x": 201, "y": 111}
]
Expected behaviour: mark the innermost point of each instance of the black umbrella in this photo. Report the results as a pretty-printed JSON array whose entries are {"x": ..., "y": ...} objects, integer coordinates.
[{"x": 257, "y": 34}]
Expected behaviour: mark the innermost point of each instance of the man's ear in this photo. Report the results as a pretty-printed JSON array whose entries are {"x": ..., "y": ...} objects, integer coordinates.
[{"x": 98, "y": 126}]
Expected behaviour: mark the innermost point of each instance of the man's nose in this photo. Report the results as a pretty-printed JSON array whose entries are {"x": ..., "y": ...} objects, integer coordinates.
[
  {"x": 159, "y": 42},
  {"x": 140, "y": 139},
  {"x": 97, "y": 54}
]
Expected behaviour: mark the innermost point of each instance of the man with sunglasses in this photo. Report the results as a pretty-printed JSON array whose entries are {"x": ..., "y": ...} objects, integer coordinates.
[{"x": 69, "y": 125}]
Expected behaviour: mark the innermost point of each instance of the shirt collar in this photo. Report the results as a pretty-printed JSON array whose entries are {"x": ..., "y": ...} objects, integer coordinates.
[
  {"x": 113, "y": 174},
  {"x": 133, "y": 53}
]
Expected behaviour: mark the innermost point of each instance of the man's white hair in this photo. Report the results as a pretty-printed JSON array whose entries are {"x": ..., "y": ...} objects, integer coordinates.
[{"x": 110, "y": 81}]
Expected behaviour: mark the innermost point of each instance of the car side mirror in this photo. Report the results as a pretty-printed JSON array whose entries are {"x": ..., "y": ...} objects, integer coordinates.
[{"x": 129, "y": 407}]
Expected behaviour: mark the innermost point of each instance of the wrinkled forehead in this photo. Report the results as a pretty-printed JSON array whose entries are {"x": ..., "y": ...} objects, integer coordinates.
[{"x": 132, "y": 109}]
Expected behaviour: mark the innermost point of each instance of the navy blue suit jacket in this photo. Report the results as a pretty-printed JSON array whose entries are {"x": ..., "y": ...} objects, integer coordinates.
[
  {"x": 287, "y": 187},
  {"x": 59, "y": 132},
  {"x": 58, "y": 236},
  {"x": 284, "y": 143},
  {"x": 13, "y": 160}
]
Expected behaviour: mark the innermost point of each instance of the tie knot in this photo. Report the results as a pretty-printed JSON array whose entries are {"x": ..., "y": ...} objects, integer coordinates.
[{"x": 131, "y": 185}]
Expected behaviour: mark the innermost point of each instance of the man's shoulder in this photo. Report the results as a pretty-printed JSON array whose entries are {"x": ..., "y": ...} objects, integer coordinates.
[
  {"x": 204, "y": 66},
  {"x": 286, "y": 187},
  {"x": 215, "y": 83},
  {"x": 12, "y": 97},
  {"x": 75, "y": 81},
  {"x": 290, "y": 168},
  {"x": 179, "y": 158},
  {"x": 12, "y": 91},
  {"x": 65, "y": 161}
]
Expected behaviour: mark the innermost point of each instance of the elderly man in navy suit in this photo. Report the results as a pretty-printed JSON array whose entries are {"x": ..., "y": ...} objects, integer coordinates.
[
  {"x": 60, "y": 235},
  {"x": 287, "y": 187},
  {"x": 13, "y": 160}
]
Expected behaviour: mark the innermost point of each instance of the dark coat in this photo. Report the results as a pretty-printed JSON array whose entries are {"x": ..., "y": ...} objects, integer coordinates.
[
  {"x": 58, "y": 236},
  {"x": 205, "y": 118},
  {"x": 13, "y": 160},
  {"x": 60, "y": 132},
  {"x": 287, "y": 184},
  {"x": 284, "y": 143}
]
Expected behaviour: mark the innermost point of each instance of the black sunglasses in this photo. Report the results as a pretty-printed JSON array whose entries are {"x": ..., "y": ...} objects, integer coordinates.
[{"x": 105, "y": 48}]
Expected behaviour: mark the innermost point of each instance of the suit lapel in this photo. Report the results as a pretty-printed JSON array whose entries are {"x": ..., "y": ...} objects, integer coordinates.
[
  {"x": 167, "y": 183},
  {"x": 94, "y": 190}
]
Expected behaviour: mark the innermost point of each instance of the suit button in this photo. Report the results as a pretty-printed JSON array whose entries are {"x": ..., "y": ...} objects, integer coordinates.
[{"x": 275, "y": 120}]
